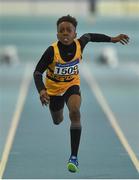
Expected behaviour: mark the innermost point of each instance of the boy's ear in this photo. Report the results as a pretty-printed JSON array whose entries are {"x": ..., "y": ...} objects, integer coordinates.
[{"x": 75, "y": 35}]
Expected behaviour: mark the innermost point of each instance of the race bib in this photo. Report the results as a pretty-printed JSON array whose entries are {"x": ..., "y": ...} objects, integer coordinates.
[{"x": 67, "y": 68}]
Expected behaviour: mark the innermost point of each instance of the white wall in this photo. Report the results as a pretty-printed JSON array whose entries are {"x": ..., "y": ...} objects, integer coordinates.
[{"x": 41, "y": 7}]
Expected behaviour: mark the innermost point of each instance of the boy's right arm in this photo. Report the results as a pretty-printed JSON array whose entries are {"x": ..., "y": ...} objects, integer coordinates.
[{"x": 41, "y": 67}]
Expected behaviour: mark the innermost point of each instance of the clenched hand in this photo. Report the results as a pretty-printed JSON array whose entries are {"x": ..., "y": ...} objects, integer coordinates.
[
  {"x": 122, "y": 38},
  {"x": 44, "y": 97}
]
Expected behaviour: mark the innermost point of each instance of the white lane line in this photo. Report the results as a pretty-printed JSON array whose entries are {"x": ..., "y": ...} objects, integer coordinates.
[
  {"x": 108, "y": 112},
  {"x": 16, "y": 117}
]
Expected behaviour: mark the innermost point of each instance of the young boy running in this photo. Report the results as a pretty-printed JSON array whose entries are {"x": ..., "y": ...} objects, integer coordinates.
[{"x": 62, "y": 84}]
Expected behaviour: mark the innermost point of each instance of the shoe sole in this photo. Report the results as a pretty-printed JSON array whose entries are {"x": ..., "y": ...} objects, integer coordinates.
[{"x": 72, "y": 167}]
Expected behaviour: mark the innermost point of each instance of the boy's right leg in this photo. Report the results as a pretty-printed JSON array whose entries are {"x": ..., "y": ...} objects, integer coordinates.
[
  {"x": 57, "y": 116},
  {"x": 56, "y": 108}
]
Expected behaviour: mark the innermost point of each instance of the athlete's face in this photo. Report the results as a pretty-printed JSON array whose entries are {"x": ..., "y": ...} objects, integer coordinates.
[{"x": 66, "y": 33}]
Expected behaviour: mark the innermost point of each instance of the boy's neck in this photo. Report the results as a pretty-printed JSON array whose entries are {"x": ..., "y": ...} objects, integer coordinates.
[{"x": 63, "y": 45}]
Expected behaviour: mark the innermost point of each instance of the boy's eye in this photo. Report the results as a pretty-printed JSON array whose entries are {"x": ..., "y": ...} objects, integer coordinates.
[
  {"x": 65, "y": 30},
  {"x": 69, "y": 30}
]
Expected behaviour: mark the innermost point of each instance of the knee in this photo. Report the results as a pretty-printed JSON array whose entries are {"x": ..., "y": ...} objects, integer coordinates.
[
  {"x": 74, "y": 114},
  {"x": 57, "y": 121}
]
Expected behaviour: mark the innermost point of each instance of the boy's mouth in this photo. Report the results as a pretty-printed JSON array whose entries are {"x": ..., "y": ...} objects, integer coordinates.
[{"x": 65, "y": 39}]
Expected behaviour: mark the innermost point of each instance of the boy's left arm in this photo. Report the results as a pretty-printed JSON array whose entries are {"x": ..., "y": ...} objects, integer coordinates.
[{"x": 122, "y": 38}]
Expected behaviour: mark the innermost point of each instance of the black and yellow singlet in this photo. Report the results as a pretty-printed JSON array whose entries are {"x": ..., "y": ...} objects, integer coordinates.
[{"x": 61, "y": 74}]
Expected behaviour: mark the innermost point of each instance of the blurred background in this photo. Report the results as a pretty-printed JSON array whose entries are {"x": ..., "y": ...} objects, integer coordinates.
[{"x": 28, "y": 27}]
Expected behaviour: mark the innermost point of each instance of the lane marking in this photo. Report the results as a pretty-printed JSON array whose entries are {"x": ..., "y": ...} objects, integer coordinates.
[
  {"x": 16, "y": 117},
  {"x": 85, "y": 71}
]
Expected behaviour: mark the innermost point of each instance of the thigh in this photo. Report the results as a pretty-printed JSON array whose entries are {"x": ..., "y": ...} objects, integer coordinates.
[
  {"x": 73, "y": 90},
  {"x": 74, "y": 102},
  {"x": 73, "y": 97},
  {"x": 56, "y": 108},
  {"x": 56, "y": 103}
]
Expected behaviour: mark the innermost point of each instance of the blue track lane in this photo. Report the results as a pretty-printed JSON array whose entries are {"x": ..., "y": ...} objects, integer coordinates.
[{"x": 41, "y": 150}]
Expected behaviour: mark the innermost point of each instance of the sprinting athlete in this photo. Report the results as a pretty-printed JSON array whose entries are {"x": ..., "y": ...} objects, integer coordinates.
[{"x": 62, "y": 84}]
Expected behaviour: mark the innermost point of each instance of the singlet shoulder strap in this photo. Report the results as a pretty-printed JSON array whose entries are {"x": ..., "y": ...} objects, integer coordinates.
[
  {"x": 56, "y": 50},
  {"x": 78, "y": 50}
]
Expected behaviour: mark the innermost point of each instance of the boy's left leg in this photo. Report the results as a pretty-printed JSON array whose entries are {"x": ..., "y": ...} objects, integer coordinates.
[
  {"x": 75, "y": 130},
  {"x": 75, "y": 127},
  {"x": 73, "y": 104}
]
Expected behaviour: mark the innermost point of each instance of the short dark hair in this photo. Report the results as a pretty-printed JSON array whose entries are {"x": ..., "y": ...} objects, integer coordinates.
[{"x": 67, "y": 18}]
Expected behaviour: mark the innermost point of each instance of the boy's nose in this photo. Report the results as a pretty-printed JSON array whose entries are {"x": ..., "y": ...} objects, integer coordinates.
[{"x": 65, "y": 33}]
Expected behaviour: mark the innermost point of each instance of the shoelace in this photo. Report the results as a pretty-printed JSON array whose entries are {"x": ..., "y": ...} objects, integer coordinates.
[{"x": 73, "y": 160}]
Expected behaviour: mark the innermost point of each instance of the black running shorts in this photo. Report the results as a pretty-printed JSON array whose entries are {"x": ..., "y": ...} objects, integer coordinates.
[{"x": 57, "y": 102}]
